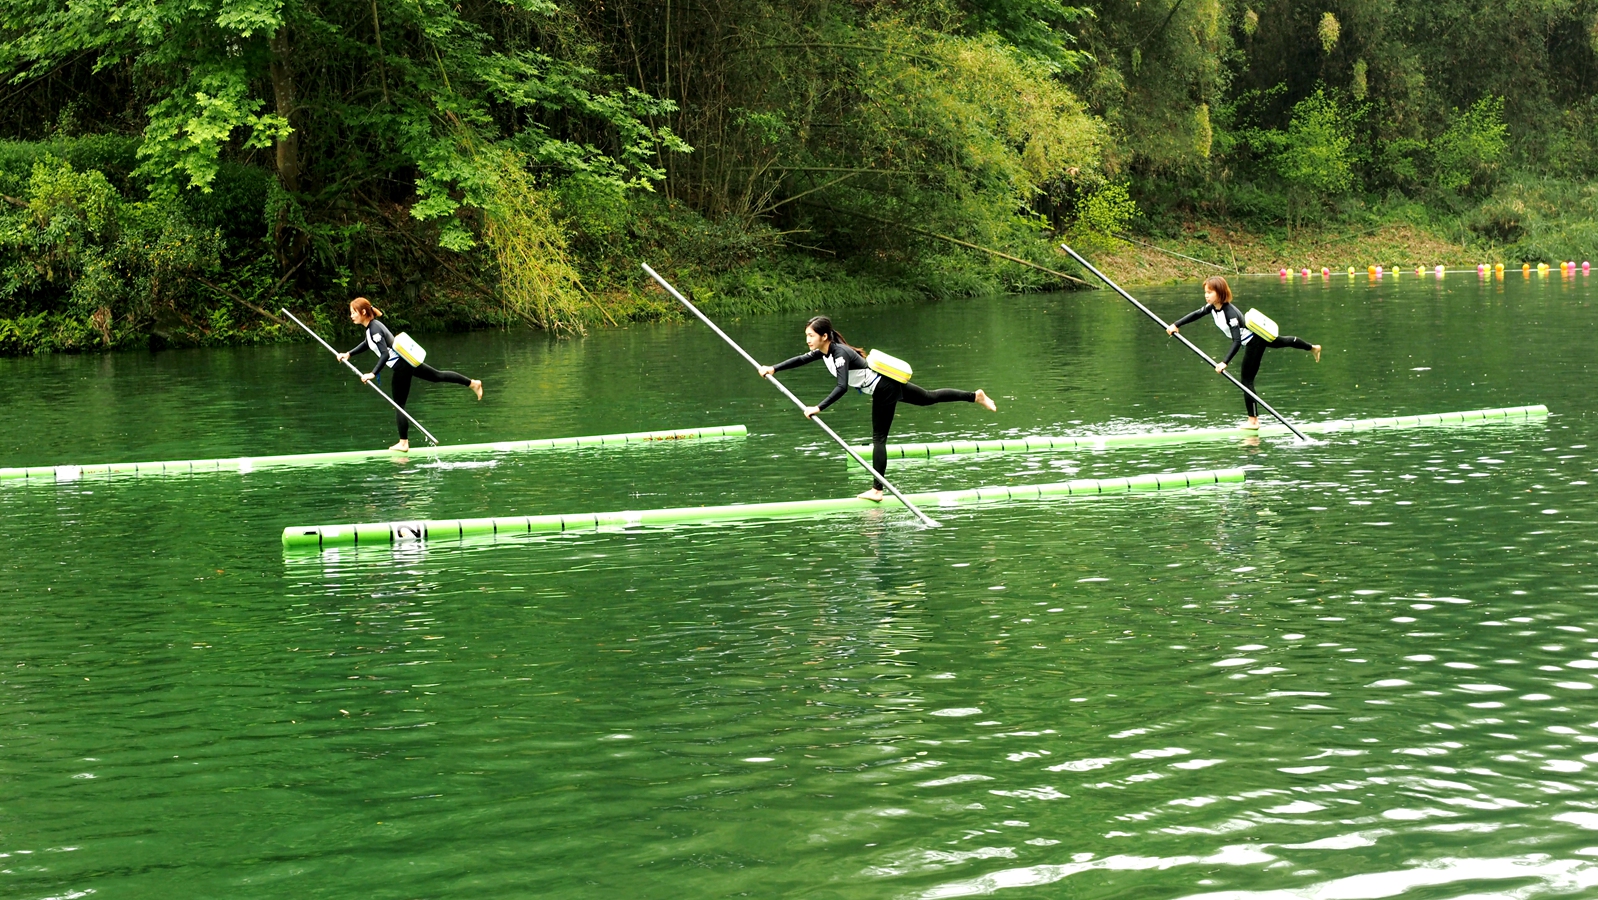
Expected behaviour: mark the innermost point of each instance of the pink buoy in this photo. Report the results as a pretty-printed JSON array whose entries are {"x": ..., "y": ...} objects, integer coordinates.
[
  {"x": 1586, "y": 267},
  {"x": 1325, "y": 272},
  {"x": 1282, "y": 273},
  {"x": 1440, "y": 271}
]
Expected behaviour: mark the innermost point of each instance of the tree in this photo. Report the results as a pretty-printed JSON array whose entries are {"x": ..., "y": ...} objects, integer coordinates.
[
  {"x": 391, "y": 100},
  {"x": 1472, "y": 145},
  {"x": 1313, "y": 154}
]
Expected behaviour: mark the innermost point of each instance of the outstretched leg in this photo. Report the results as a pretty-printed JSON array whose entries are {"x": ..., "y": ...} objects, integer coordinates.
[
  {"x": 428, "y": 373},
  {"x": 1297, "y": 344},
  {"x": 920, "y": 396},
  {"x": 403, "y": 373}
]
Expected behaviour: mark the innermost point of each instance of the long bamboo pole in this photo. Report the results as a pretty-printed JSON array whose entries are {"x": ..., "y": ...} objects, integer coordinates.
[
  {"x": 358, "y": 372},
  {"x": 1190, "y": 345}
]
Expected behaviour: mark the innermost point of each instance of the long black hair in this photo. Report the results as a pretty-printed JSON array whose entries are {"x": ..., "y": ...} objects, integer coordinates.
[{"x": 822, "y": 326}]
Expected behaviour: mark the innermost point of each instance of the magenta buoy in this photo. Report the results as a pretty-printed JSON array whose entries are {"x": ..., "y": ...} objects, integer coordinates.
[
  {"x": 1440, "y": 271},
  {"x": 1325, "y": 272},
  {"x": 1282, "y": 273}
]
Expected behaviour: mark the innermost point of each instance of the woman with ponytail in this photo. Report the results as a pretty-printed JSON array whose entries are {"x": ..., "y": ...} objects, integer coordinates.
[
  {"x": 381, "y": 342},
  {"x": 852, "y": 371}
]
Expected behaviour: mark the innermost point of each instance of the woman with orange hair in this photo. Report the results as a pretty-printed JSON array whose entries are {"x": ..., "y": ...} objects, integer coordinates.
[
  {"x": 381, "y": 342},
  {"x": 1218, "y": 305}
]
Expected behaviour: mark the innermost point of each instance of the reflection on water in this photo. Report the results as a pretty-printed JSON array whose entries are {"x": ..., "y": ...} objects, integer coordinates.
[{"x": 1367, "y": 673}]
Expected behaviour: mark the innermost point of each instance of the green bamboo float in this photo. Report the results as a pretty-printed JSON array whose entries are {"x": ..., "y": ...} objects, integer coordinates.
[
  {"x": 1148, "y": 439},
  {"x": 314, "y": 537},
  {"x": 247, "y": 464}
]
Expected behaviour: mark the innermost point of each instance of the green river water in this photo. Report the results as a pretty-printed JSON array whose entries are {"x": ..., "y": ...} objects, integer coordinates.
[{"x": 1369, "y": 672}]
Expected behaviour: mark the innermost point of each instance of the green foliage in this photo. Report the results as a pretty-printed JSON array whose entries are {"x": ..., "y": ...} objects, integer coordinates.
[
  {"x": 1105, "y": 213},
  {"x": 511, "y": 160},
  {"x": 1313, "y": 154},
  {"x": 99, "y": 269},
  {"x": 964, "y": 131},
  {"x": 348, "y": 94},
  {"x": 1038, "y": 28},
  {"x": 537, "y": 281},
  {"x": 1470, "y": 149},
  {"x": 1158, "y": 69},
  {"x": 1540, "y": 219},
  {"x": 1329, "y": 31}
]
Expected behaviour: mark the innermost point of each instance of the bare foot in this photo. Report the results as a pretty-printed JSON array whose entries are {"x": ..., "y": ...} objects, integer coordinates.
[
  {"x": 1316, "y": 349},
  {"x": 985, "y": 401},
  {"x": 477, "y": 386},
  {"x": 874, "y": 495},
  {"x": 1253, "y": 423},
  {"x": 403, "y": 446}
]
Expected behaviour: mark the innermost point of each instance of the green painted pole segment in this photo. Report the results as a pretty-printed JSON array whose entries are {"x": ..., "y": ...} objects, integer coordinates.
[
  {"x": 314, "y": 537},
  {"x": 247, "y": 464},
  {"x": 1035, "y": 443}
]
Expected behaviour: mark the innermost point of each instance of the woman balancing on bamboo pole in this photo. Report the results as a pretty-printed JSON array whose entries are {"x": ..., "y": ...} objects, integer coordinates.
[
  {"x": 852, "y": 371},
  {"x": 1218, "y": 305},
  {"x": 381, "y": 342}
]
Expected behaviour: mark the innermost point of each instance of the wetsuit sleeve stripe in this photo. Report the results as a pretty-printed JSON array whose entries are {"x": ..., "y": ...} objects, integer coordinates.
[
  {"x": 1238, "y": 333},
  {"x": 842, "y": 387},
  {"x": 382, "y": 340}
]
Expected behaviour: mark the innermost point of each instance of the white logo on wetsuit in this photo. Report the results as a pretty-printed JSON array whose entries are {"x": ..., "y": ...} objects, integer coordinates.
[
  {"x": 1220, "y": 316},
  {"x": 862, "y": 380},
  {"x": 393, "y": 355}
]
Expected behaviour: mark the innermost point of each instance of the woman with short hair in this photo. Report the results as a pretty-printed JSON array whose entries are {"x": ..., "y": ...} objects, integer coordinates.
[{"x": 1218, "y": 305}]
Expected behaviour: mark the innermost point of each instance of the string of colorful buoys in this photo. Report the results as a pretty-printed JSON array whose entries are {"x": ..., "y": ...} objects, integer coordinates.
[
  {"x": 1567, "y": 268},
  {"x": 1483, "y": 270}
]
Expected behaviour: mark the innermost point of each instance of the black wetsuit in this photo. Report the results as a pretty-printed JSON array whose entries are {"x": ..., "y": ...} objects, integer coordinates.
[
  {"x": 381, "y": 341},
  {"x": 1230, "y": 321},
  {"x": 852, "y": 372}
]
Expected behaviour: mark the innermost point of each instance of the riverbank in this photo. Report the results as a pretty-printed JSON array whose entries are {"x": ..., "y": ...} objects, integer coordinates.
[
  {"x": 1198, "y": 251},
  {"x": 239, "y": 308}
]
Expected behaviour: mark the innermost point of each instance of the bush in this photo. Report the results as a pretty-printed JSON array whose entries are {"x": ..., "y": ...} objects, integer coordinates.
[
  {"x": 1106, "y": 212},
  {"x": 1469, "y": 150},
  {"x": 84, "y": 266},
  {"x": 1540, "y": 219}
]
